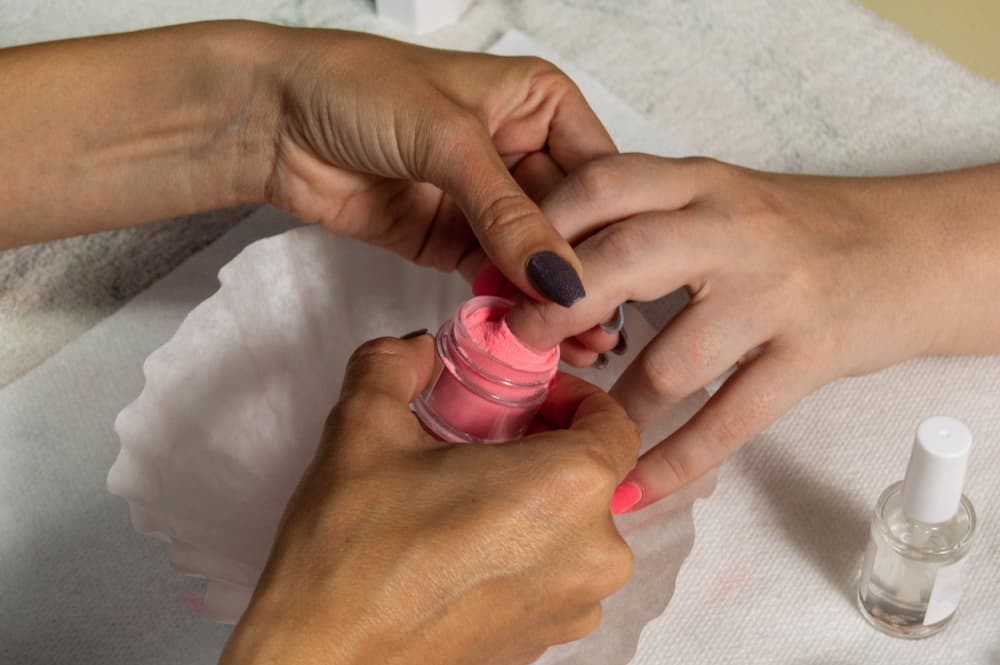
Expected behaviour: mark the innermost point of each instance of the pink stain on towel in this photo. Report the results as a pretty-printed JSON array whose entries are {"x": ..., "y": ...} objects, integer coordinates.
[{"x": 192, "y": 601}]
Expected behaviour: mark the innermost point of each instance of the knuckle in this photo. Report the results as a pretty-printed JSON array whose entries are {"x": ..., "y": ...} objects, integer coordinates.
[
  {"x": 506, "y": 214},
  {"x": 611, "y": 567},
  {"x": 702, "y": 163},
  {"x": 723, "y": 175},
  {"x": 668, "y": 375},
  {"x": 543, "y": 317},
  {"x": 599, "y": 177},
  {"x": 375, "y": 352},
  {"x": 628, "y": 432},
  {"x": 736, "y": 426},
  {"x": 583, "y": 625},
  {"x": 540, "y": 67},
  {"x": 545, "y": 79},
  {"x": 449, "y": 143},
  {"x": 702, "y": 350},
  {"x": 579, "y": 475},
  {"x": 672, "y": 470},
  {"x": 621, "y": 243},
  {"x": 462, "y": 125}
]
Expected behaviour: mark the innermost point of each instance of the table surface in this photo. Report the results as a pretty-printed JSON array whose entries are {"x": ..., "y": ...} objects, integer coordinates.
[{"x": 795, "y": 85}]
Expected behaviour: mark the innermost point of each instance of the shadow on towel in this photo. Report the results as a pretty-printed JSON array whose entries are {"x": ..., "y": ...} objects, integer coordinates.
[{"x": 823, "y": 521}]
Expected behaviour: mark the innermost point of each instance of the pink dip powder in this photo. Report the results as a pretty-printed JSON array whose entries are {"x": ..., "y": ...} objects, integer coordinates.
[
  {"x": 488, "y": 327},
  {"x": 490, "y": 385}
]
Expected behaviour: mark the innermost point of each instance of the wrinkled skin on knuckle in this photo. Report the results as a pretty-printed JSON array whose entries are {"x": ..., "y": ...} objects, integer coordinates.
[
  {"x": 577, "y": 477},
  {"x": 446, "y": 139},
  {"x": 349, "y": 428},
  {"x": 374, "y": 351},
  {"x": 579, "y": 627},
  {"x": 608, "y": 567},
  {"x": 505, "y": 216},
  {"x": 668, "y": 376},
  {"x": 621, "y": 244},
  {"x": 599, "y": 178},
  {"x": 734, "y": 427},
  {"x": 672, "y": 470},
  {"x": 537, "y": 320},
  {"x": 536, "y": 66},
  {"x": 703, "y": 350},
  {"x": 545, "y": 78},
  {"x": 707, "y": 165}
]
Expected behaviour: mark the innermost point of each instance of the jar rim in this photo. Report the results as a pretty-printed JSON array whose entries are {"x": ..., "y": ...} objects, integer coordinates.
[{"x": 525, "y": 377}]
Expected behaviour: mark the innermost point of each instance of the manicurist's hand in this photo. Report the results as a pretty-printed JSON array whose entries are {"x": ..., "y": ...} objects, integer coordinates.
[
  {"x": 409, "y": 148},
  {"x": 795, "y": 280},
  {"x": 397, "y": 548},
  {"x": 402, "y": 146}
]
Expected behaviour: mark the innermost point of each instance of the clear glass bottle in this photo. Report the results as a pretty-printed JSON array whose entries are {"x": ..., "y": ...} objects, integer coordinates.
[{"x": 921, "y": 532}]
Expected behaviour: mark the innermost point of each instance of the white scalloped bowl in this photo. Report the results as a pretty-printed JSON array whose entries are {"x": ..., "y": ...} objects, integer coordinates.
[{"x": 234, "y": 405}]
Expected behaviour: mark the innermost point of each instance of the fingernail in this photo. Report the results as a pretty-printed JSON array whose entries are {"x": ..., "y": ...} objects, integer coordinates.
[
  {"x": 601, "y": 362},
  {"x": 615, "y": 323},
  {"x": 415, "y": 333},
  {"x": 555, "y": 278},
  {"x": 622, "y": 346},
  {"x": 489, "y": 281},
  {"x": 626, "y": 495}
]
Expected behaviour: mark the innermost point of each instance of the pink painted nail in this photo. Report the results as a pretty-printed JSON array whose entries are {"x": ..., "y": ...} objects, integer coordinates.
[
  {"x": 489, "y": 281},
  {"x": 626, "y": 495}
]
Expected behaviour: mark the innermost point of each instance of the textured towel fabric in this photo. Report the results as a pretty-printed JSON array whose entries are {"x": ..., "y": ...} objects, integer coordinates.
[
  {"x": 811, "y": 85},
  {"x": 799, "y": 85}
]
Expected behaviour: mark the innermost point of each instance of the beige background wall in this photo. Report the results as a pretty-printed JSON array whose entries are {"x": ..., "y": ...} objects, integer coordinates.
[{"x": 967, "y": 30}]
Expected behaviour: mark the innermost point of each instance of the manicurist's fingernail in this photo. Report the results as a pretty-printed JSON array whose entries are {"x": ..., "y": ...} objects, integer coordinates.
[
  {"x": 622, "y": 346},
  {"x": 615, "y": 323},
  {"x": 601, "y": 362},
  {"x": 626, "y": 495},
  {"x": 415, "y": 333},
  {"x": 555, "y": 278}
]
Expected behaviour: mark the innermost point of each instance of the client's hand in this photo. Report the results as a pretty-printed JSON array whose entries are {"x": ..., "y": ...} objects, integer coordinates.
[
  {"x": 397, "y": 548},
  {"x": 795, "y": 280}
]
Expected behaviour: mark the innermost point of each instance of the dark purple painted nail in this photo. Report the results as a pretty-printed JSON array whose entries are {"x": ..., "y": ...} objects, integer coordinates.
[
  {"x": 555, "y": 278},
  {"x": 601, "y": 362},
  {"x": 415, "y": 333},
  {"x": 622, "y": 346}
]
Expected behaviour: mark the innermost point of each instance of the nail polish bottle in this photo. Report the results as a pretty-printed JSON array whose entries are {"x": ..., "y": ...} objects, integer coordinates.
[
  {"x": 911, "y": 578},
  {"x": 489, "y": 386}
]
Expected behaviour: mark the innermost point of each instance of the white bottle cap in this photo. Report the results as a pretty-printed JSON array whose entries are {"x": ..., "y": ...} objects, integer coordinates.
[{"x": 932, "y": 487}]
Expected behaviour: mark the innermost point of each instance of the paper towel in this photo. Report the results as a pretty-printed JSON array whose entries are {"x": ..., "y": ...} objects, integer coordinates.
[{"x": 234, "y": 405}]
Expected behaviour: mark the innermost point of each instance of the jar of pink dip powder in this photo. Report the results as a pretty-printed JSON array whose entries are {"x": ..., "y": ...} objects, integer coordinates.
[{"x": 490, "y": 385}]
